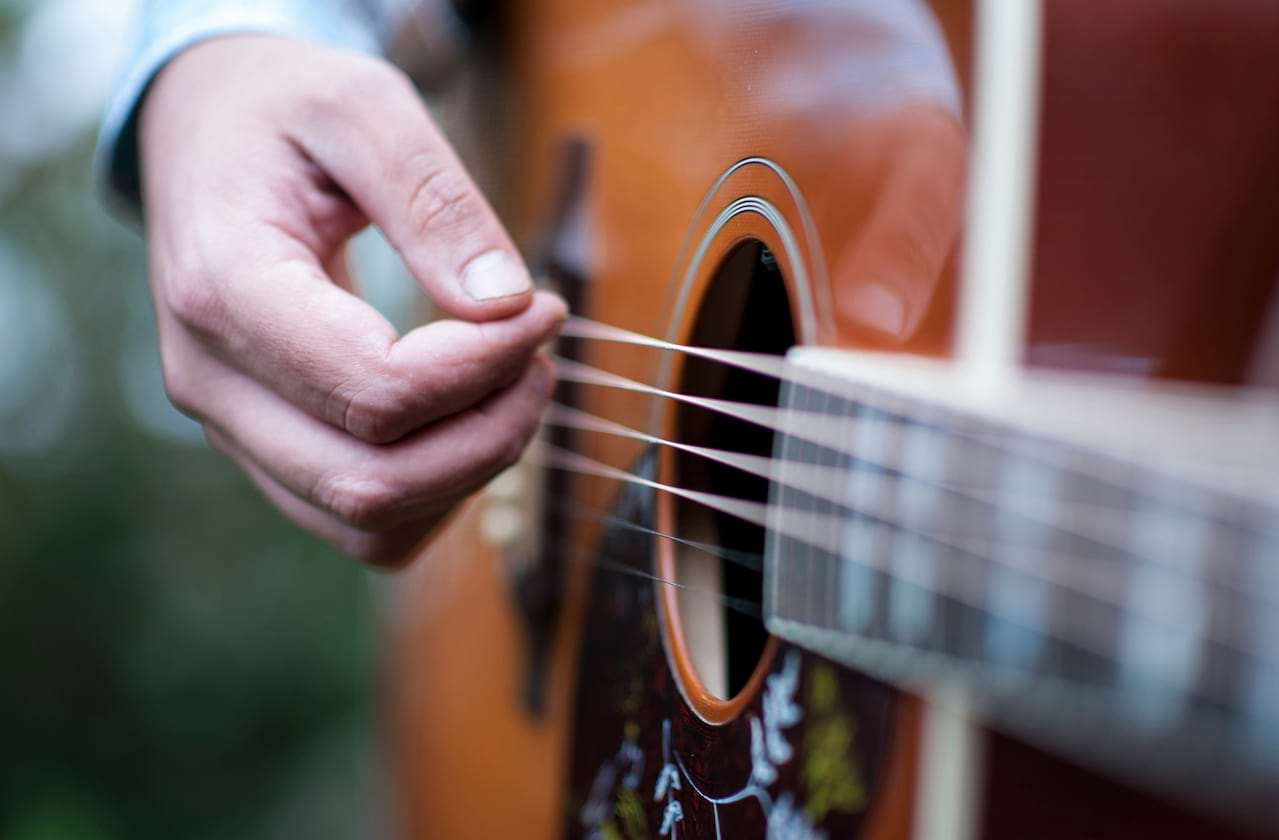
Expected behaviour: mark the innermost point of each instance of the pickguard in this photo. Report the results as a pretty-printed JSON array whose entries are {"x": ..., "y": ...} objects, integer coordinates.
[{"x": 805, "y": 759}]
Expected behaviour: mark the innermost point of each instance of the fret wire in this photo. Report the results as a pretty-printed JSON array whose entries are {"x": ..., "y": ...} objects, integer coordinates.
[
  {"x": 810, "y": 473},
  {"x": 750, "y": 609},
  {"x": 826, "y": 476},
  {"x": 1103, "y": 524},
  {"x": 861, "y": 534},
  {"x": 779, "y": 494},
  {"x": 1025, "y": 597},
  {"x": 913, "y": 612},
  {"x": 822, "y": 405},
  {"x": 763, "y": 364},
  {"x": 830, "y": 431},
  {"x": 753, "y": 512}
]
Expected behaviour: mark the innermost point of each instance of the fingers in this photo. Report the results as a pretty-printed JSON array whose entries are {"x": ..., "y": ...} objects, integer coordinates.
[
  {"x": 359, "y": 434},
  {"x": 885, "y": 279},
  {"x": 254, "y": 269},
  {"x": 376, "y": 488},
  {"x": 334, "y": 356},
  {"x": 386, "y": 549},
  {"x": 373, "y": 136}
]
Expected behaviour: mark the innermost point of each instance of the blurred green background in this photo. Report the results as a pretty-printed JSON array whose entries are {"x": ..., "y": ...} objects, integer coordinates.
[{"x": 175, "y": 660}]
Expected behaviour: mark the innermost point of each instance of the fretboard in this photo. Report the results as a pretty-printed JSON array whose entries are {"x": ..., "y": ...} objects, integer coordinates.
[{"x": 1094, "y": 563}]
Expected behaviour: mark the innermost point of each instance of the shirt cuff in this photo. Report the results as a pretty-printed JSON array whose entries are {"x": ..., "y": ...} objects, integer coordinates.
[{"x": 168, "y": 28}]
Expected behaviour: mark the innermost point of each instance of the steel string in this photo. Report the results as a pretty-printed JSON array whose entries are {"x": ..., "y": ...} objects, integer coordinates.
[
  {"x": 819, "y": 482},
  {"x": 802, "y": 526}
]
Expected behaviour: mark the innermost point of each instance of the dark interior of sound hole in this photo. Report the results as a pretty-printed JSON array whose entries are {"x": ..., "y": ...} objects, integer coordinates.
[{"x": 746, "y": 308}]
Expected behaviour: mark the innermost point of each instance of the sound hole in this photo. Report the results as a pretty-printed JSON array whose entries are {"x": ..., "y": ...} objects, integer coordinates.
[{"x": 745, "y": 308}]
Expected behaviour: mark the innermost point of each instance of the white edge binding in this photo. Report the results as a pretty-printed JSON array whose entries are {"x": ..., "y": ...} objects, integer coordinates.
[{"x": 990, "y": 337}]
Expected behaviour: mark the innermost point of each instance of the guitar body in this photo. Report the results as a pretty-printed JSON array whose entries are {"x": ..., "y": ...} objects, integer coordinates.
[{"x": 730, "y": 175}]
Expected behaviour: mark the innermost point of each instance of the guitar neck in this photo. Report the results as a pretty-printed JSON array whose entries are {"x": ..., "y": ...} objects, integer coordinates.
[{"x": 1086, "y": 556}]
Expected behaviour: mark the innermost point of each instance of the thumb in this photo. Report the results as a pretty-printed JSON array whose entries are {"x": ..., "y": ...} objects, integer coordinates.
[
  {"x": 378, "y": 142},
  {"x": 886, "y": 276}
]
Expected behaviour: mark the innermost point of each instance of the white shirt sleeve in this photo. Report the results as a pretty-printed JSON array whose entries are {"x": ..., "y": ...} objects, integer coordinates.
[{"x": 166, "y": 27}]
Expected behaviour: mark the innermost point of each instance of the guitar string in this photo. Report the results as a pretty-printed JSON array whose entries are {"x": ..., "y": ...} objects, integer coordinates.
[
  {"x": 1212, "y": 691},
  {"x": 823, "y": 428},
  {"x": 764, "y": 364},
  {"x": 745, "y": 606},
  {"x": 809, "y": 478},
  {"x": 738, "y": 605},
  {"x": 566, "y": 506},
  {"x": 758, "y": 363},
  {"x": 751, "y": 609},
  {"x": 755, "y": 413},
  {"x": 832, "y": 433},
  {"x": 771, "y": 366},
  {"x": 814, "y": 480},
  {"x": 801, "y": 526}
]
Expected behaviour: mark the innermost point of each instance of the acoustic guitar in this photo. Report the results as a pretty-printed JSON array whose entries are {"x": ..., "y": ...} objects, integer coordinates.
[{"x": 914, "y": 470}]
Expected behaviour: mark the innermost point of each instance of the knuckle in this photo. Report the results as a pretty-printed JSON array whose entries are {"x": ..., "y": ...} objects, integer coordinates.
[
  {"x": 506, "y": 447},
  {"x": 376, "y": 414},
  {"x": 442, "y": 197},
  {"x": 197, "y": 306},
  {"x": 394, "y": 81},
  {"x": 526, "y": 434},
  {"x": 514, "y": 448},
  {"x": 361, "y": 501},
  {"x": 510, "y": 432},
  {"x": 362, "y": 78},
  {"x": 498, "y": 361}
]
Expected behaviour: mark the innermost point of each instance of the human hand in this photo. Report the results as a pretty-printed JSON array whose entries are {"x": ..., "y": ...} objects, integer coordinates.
[
  {"x": 261, "y": 158},
  {"x": 902, "y": 221}
]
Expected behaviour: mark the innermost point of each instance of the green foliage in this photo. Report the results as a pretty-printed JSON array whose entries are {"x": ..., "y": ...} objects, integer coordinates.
[
  {"x": 177, "y": 661},
  {"x": 832, "y": 775},
  {"x": 630, "y": 813}
]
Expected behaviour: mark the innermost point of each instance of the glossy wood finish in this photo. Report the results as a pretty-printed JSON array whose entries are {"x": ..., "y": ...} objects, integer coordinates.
[
  {"x": 669, "y": 94},
  {"x": 1154, "y": 255},
  {"x": 1155, "y": 251}
]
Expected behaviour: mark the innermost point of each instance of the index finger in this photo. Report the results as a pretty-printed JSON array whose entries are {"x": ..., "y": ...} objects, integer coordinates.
[
  {"x": 376, "y": 139},
  {"x": 333, "y": 355}
]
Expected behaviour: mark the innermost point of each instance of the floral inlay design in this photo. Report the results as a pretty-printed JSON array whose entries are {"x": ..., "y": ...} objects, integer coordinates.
[{"x": 770, "y": 749}]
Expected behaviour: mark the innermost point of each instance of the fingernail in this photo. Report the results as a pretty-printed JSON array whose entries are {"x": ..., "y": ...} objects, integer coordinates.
[
  {"x": 495, "y": 274},
  {"x": 879, "y": 307}
]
